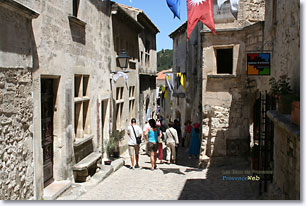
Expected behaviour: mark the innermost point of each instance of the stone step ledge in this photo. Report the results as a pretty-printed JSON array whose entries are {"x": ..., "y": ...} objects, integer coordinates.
[
  {"x": 55, "y": 189},
  {"x": 79, "y": 189}
]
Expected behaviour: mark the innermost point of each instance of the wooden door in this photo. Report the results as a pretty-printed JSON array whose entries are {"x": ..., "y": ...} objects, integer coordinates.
[{"x": 47, "y": 111}]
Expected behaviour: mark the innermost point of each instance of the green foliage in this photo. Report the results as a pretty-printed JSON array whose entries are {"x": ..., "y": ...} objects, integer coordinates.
[
  {"x": 116, "y": 137},
  {"x": 280, "y": 87},
  {"x": 164, "y": 59}
]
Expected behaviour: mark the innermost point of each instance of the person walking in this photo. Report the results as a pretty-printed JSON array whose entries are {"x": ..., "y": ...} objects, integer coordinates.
[
  {"x": 134, "y": 131},
  {"x": 152, "y": 137},
  {"x": 144, "y": 144},
  {"x": 171, "y": 141},
  {"x": 160, "y": 143},
  {"x": 195, "y": 143},
  {"x": 188, "y": 129},
  {"x": 177, "y": 126}
]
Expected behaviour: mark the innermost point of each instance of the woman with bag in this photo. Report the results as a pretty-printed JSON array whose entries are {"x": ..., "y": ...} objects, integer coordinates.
[
  {"x": 172, "y": 141},
  {"x": 135, "y": 133},
  {"x": 152, "y": 134}
]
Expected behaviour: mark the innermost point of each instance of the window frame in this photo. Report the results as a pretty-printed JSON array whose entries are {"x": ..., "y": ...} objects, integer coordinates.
[
  {"x": 236, "y": 49},
  {"x": 82, "y": 125}
]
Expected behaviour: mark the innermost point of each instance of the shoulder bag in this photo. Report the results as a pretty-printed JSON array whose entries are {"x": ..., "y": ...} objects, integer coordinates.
[{"x": 138, "y": 139}]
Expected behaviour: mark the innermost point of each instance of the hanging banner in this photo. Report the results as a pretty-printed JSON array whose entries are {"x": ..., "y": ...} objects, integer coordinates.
[{"x": 258, "y": 64}]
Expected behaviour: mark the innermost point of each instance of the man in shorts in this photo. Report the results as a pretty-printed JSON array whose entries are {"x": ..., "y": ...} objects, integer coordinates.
[{"x": 133, "y": 130}]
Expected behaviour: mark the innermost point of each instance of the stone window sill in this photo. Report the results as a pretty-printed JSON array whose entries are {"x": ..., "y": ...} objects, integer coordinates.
[
  {"x": 19, "y": 8},
  {"x": 284, "y": 121},
  {"x": 81, "y": 141},
  {"x": 76, "y": 20},
  {"x": 217, "y": 76}
]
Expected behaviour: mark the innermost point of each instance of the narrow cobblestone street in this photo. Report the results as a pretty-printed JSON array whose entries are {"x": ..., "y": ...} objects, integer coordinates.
[{"x": 184, "y": 181}]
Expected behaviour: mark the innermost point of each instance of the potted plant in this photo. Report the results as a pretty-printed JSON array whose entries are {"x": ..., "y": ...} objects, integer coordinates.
[
  {"x": 112, "y": 147},
  {"x": 295, "y": 112},
  {"x": 282, "y": 91}
]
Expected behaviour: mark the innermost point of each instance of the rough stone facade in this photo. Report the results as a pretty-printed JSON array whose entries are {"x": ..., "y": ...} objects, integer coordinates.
[
  {"x": 16, "y": 134},
  {"x": 16, "y": 102}
]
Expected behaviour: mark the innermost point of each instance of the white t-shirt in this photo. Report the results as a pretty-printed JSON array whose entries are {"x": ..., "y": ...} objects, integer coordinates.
[
  {"x": 132, "y": 139},
  {"x": 147, "y": 126}
]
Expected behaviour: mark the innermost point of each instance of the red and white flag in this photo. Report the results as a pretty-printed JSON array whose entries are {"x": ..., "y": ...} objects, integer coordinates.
[{"x": 200, "y": 10}]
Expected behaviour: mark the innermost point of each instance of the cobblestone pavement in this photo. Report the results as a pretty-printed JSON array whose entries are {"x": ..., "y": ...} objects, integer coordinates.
[{"x": 183, "y": 181}]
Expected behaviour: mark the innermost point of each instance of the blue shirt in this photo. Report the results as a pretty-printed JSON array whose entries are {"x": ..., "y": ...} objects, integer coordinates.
[{"x": 152, "y": 136}]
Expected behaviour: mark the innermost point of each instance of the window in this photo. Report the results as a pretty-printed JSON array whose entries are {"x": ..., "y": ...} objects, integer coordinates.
[
  {"x": 75, "y": 7},
  {"x": 225, "y": 61},
  {"x": 147, "y": 46},
  {"x": 147, "y": 56},
  {"x": 141, "y": 57},
  {"x": 119, "y": 105},
  {"x": 132, "y": 101},
  {"x": 81, "y": 106}
]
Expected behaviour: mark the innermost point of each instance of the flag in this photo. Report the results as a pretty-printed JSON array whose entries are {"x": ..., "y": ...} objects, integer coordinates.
[
  {"x": 183, "y": 81},
  {"x": 200, "y": 10},
  {"x": 174, "y": 5},
  {"x": 234, "y": 6},
  {"x": 169, "y": 81}
]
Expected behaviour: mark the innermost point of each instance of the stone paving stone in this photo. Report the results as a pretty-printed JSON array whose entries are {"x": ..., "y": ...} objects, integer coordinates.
[{"x": 183, "y": 181}]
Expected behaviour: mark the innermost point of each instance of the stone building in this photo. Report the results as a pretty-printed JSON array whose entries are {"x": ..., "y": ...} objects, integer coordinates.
[
  {"x": 235, "y": 106},
  {"x": 279, "y": 141},
  {"x": 187, "y": 61},
  {"x": 216, "y": 89},
  {"x": 58, "y": 90},
  {"x": 67, "y": 83},
  {"x": 165, "y": 104},
  {"x": 134, "y": 32}
]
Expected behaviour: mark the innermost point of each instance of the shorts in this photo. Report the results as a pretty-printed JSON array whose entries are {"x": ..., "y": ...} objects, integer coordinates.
[
  {"x": 152, "y": 147},
  {"x": 134, "y": 149}
]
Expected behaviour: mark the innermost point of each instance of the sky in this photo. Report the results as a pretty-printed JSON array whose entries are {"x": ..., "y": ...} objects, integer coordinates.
[{"x": 160, "y": 14}]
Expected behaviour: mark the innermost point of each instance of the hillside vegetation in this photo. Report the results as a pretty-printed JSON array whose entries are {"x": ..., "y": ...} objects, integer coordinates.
[{"x": 164, "y": 59}]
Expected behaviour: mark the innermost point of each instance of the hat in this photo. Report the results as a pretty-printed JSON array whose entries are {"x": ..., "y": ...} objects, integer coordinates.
[{"x": 196, "y": 125}]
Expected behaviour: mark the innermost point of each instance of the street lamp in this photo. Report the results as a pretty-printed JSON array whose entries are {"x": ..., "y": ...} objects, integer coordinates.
[{"x": 123, "y": 59}]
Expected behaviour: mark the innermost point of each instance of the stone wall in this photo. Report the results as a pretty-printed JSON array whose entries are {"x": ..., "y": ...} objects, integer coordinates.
[
  {"x": 286, "y": 172},
  {"x": 16, "y": 134},
  {"x": 281, "y": 30},
  {"x": 254, "y": 10},
  {"x": 226, "y": 129},
  {"x": 16, "y": 101}
]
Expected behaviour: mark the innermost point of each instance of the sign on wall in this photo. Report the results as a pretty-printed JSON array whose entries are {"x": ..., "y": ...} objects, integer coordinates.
[{"x": 259, "y": 63}]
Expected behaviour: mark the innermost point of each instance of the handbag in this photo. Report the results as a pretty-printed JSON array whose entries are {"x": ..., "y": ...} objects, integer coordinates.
[{"x": 138, "y": 139}]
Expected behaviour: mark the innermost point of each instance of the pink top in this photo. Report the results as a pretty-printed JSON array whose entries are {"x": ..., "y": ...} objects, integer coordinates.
[{"x": 188, "y": 129}]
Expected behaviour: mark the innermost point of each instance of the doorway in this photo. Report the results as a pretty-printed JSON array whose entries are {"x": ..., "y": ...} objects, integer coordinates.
[{"x": 47, "y": 130}]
